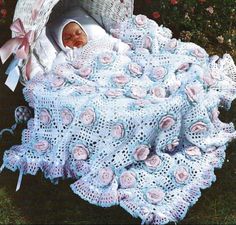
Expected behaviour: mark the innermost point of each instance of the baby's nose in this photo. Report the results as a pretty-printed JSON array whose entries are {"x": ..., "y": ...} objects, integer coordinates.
[{"x": 76, "y": 37}]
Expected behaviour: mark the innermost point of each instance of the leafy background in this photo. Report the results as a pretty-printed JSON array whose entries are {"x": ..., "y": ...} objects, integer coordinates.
[{"x": 209, "y": 23}]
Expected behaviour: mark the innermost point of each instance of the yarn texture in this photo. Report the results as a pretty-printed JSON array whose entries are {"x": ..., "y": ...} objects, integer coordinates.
[{"x": 137, "y": 128}]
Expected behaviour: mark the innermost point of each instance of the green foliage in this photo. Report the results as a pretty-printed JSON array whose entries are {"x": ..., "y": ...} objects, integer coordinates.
[
  {"x": 209, "y": 23},
  {"x": 8, "y": 213}
]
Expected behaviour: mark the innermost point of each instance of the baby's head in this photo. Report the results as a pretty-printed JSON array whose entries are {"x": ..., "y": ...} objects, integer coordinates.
[
  {"x": 74, "y": 29},
  {"x": 73, "y": 35}
]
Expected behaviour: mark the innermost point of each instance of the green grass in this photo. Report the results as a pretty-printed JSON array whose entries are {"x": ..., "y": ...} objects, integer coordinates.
[{"x": 9, "y": 214}]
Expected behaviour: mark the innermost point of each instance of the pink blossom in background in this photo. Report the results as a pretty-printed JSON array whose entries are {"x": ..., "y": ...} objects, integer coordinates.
[
  {"x": 148, "y": 2},
  {"x": 210, "y": 9},
  {"x": 3, "y": 13},
  {"x": 173, "y": 2},
  {"x": 156, "y": 15}
]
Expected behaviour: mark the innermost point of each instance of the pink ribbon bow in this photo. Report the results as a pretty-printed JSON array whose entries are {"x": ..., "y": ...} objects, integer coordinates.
[{"x": 19, "y": 45}]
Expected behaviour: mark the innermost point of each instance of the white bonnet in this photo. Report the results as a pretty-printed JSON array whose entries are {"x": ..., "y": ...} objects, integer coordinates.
[{"x": 79, "y": 16}]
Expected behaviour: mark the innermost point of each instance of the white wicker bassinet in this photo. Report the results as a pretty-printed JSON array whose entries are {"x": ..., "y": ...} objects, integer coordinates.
[{"x": 105, "y": 12}]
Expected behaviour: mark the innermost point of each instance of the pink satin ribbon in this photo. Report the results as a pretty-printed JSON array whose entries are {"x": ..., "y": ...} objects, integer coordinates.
[
  {"x": 36, "y": 8},
  {"x": 28, "y": 68},
  {"x": 19, "y": 45}
]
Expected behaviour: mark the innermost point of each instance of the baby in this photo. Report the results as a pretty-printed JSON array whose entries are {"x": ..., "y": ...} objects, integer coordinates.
[
  {"x": 74, "y": 35},
  {"x": 76, "y": 29}
]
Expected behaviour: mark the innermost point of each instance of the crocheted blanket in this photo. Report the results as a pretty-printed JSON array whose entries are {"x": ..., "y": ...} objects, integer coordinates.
[{"x": 138, "y": 129}]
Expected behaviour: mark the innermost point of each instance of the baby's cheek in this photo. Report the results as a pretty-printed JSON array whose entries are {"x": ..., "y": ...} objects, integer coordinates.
[{"x": 68, "y": 43}]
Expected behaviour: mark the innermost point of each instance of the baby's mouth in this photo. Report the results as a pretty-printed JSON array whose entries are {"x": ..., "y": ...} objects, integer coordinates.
[{"x": 78, "y": 43}]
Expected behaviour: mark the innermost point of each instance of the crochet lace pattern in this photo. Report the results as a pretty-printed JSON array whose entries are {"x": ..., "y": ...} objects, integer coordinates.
[{"x": 138, "y": 129}]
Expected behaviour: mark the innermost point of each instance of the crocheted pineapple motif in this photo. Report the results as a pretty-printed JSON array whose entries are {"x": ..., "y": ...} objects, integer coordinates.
[{"x": 139, "y": 130}]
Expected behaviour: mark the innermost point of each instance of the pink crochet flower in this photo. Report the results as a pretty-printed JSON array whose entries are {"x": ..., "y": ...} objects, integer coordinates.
[
  {"x": 208, "y": 80},
  {"x": 118, "y": 131},
  {"x": 198, "y": 53},
  {"x": 66, "y": 116},
  {"x": 140, "y": 20},
  {"x": 193, "y": 151},
  {"x": 159, "y": 72},
  {"x": 41, "y": 145},
  {"x": 114, "y": 93},
  {"x": 138, "y": 92},
  {"x": 45, "y": 116},
  {"x": 166, "y": 122},
  {"x": 174, "y": 144},
  {"x": 77, "y": 64},
  {"x": 141, "y": 153},
  {"x": 153, "y": 162},
  {"x": 155, "y": 195},
  {"x": 85, "y": 71},
  {"x": 127, "y": 179},
  {"x": 181, "y": 175},
  {"x": 135, "y": 69},
  {"x": 58, "y": 81},
  {"x": 60, "y": 70},
  {"x": 158, "y": 92},
  {"x": 215, "y": 114},
  {"x": 80, "y": 152},
  {"x": 172, "y": 44},
  {"x": 88, "y": 116},
  {"x": 105, "y": 176},
  {"x": 106, "y": 58},
  {"x": 192, "y": 92},
  {"x": 183, "y": 67},
  {"x": 147, "y": 42},
  {"x": 198, "y": 127},
  {"x": 121, "y": 79}
]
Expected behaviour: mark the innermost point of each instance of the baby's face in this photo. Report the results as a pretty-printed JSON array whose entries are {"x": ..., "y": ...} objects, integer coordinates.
[{"x": 74, "y": 36}]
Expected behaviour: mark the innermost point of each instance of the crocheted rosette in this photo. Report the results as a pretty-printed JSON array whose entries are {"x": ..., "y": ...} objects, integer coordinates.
[{"x": 138, "y": 129}]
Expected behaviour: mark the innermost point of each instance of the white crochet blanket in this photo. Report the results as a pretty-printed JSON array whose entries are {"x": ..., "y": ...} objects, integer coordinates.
[{"x": 139, "y": 129}]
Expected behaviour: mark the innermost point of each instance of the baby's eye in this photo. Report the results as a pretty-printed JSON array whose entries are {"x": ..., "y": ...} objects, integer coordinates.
[
  {"x": 78, "y": 32},
  {"x": 67, "y": 37}
]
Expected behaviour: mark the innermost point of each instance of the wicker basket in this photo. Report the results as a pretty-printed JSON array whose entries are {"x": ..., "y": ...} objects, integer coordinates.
[{"x": 105, "y": 12}]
